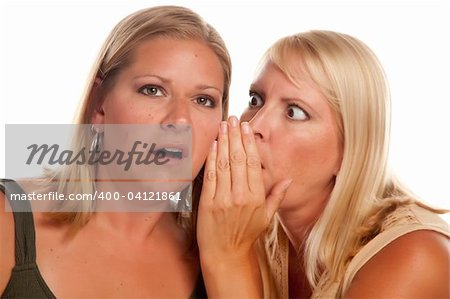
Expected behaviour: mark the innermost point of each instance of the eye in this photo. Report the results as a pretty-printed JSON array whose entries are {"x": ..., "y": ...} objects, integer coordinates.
[
  {"x": 205, "y": 101},
  {"x": 294, "y": 112},
  {"x": 255, "y": 100},
  {"x": 151, "y": 90}
]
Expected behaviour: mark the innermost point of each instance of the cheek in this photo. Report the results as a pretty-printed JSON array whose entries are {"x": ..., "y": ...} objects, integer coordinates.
[
  {"x": 118, "y": 111},
  {"x": 122, "y": 106},
  {"x": 204, "y": 132},
  {"x": 130, "y": 115},
  {"x": 308, "y": 158},
  {"x": 328, "y": 151},
  {"x": 316, "y": 162}
]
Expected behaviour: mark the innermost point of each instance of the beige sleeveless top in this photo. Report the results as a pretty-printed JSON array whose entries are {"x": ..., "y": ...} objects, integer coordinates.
[{"x": 403, "y": 220}]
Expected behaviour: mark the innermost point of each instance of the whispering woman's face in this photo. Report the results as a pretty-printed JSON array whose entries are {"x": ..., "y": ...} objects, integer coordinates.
[{"x": 296, "y": 134}]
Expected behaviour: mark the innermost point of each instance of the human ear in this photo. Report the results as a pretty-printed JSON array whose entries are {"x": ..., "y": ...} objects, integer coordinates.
[
  {"x": 339, "y": 161},
  {"x": 98, "y": 113}
]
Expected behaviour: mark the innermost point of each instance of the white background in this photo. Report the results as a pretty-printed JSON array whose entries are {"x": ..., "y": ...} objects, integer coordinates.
[{"x": 48, "y": 47}]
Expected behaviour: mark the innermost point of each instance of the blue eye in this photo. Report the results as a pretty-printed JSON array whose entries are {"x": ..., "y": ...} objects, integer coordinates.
[
  {"x": 205, "y": 101},
  {"x": 255, "y": 100},
  {"x": 294, "y": 112},
  {"x": 151, "y": 90}
]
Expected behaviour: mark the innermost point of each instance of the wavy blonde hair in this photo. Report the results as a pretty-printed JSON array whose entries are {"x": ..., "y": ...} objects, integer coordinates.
[
  {"x": 115, "y": 54},
  {"x": 350, "y": 76}
]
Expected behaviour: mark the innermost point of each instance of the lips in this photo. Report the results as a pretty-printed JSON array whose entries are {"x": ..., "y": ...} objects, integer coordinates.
[{"x": 173, "y": 151}]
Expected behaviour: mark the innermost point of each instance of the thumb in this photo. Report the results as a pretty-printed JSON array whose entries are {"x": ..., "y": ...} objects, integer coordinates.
[{"x": 276, "y": 196}]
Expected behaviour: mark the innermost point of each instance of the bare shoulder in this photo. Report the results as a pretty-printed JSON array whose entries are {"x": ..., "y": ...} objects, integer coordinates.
[
  {"x": 415, "y": 265},
  {"x": 7, "y": 257}
]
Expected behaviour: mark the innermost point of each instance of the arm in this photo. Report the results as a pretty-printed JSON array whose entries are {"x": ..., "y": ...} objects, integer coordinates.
[
  {"x": 415, "y": 265},
  {"x": 233, "y": 213},
  {"x": 232, "y": 276}
]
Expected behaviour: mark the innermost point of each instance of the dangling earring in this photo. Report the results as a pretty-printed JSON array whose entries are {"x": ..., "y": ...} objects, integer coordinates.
[
  {"x": 97, "y": 142},
  {"x": 183, "y": 205},
  {"x": 188, "y": 200}
]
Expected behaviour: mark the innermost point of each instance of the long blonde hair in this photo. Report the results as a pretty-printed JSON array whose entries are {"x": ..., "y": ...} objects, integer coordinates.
[
  {"x": 352, "y": 79},
  {"x": 115, "y": 54}
]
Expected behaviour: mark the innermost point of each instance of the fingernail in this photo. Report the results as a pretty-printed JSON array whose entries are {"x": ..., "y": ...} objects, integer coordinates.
[
  {"x": 214, "y": 146},
  {"x": 224, "y": 127},
  {"x": 233, "y": 121},
  {"x": 245, "y": 128}
]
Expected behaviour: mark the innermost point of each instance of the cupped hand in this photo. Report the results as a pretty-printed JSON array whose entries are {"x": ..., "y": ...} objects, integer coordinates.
[{"x": 233, "y": 209}]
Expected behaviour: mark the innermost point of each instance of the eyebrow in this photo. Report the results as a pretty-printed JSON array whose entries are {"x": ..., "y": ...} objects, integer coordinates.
[
  {"x": 204, "y": 87},
  {"x": 164, "y": 80},
  {"x": 255, "y": 88},
  {"x": 168, "y": 81}
]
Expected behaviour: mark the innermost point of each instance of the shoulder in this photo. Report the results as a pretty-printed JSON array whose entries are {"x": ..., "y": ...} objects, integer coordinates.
[
  {"x": 414, "y": 265},
  {"x": 7, "y": 256}
]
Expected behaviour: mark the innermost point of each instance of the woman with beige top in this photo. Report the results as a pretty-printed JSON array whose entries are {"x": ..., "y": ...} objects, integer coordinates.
[{"x": 313, "y": 147}]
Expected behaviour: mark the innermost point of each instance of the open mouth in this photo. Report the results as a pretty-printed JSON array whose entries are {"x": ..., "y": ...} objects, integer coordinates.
[{"x": 171, "y": 152}]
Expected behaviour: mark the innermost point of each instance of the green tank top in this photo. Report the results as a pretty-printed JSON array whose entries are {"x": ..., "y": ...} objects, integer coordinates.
[{"x": 26, "y": 280}]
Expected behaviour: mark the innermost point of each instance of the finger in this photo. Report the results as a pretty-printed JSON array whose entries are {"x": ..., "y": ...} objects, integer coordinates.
[
  {"x": 210, "y": 175},
  {"x": 276, "y": 196},
  {"x": 238, "y": 158},
  {"x": 222, "y": 163},
  {"x": 254, "y": 173}
]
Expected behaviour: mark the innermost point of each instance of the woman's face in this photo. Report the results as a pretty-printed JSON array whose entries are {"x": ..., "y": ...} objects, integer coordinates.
[
  {"x": 296, "y": 134},
  {"x": 173, "y": 84}
]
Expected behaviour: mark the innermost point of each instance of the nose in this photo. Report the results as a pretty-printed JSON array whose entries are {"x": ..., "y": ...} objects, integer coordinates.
[
  {"x": 177, "y": 117},
  {"x": 260, "y": 124}
]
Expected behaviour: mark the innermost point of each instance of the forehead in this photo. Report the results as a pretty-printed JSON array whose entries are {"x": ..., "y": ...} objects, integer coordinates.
[
  {"x": 294, "y": 79},
  {"x": 189, "y": 58},
  {"x": 168, "y": 48}
]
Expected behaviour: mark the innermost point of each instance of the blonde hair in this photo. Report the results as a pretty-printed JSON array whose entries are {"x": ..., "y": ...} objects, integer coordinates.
[
  {"x": 115, "y": 54},
  {"x": 352, "y": 79}
]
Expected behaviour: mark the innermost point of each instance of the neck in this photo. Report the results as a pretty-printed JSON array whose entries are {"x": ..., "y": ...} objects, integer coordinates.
[
  {"x": 298, "y": 221},
  {"x": 136, "y": 226}
]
